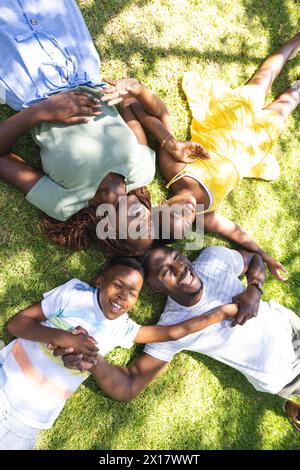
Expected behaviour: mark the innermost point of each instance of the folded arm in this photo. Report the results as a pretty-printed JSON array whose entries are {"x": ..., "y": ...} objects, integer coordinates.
[
  {"x": 248, "y": 301},
  {"x": 26, "y": 324},
  {"x": 63, "y": 107}
]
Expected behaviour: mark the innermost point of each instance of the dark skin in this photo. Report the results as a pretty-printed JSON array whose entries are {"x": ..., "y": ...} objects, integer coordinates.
[
  {"x": 73, "y": 108},
  {"x": 64, "y": 107},
  {"x": 167, "y": 271},
  {"x": 292, "y": 410},
  {"x": 118, "y": 291},
  {"x": 172, "y": 273},
  {"x": 26, "y": 324},
  {"x": 110, "y": 191},
  {"x": 70, "y": 108},
  {"x": 189, "y": 190},
  {"x": 120, "y": 287}
]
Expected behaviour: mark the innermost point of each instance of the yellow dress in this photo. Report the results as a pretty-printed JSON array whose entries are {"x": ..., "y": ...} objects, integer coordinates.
[{"x": 235, "y": 130}]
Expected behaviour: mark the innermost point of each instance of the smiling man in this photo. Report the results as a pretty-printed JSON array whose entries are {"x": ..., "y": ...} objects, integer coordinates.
[{"x": 262, "y": 342}]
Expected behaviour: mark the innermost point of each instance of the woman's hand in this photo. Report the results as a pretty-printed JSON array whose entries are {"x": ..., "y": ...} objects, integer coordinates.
[
  {"x": 69, "y": 107},
  {"x": 120, "y": 89},
  {"x": 275, "y": 267},
  {"x": 185, "y": 152}
]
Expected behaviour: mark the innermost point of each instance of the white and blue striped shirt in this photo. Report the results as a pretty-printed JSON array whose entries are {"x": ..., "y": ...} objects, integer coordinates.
[{"x": 261, "y": 349}]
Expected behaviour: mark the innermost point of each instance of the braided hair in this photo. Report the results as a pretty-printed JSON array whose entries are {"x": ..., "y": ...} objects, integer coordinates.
[{"x": 79, "y": 231}]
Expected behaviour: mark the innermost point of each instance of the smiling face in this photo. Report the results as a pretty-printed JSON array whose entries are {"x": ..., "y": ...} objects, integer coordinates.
[
  {"x": 170, "y": 272},
  {"x": 134, "y": 215},
  {"x": 179, "y": 213},
  {"x": 119, "y": 289}
]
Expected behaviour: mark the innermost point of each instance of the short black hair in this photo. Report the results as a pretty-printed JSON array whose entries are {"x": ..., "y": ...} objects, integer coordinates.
[
  {"x": 146, "y": 256},
  {"x": 128, "y": 261}
]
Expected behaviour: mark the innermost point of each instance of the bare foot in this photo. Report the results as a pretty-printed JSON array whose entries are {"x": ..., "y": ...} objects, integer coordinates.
[{"x": 186, "y": 152}]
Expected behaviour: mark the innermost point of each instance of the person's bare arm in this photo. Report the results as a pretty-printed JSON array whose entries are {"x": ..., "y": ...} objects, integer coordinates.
[
  {"x": 157, "y": 333},
  {"x": 17, "y": 173},
  {"x": 218, "y": 224},
  {"x": 153, "y": 114},
  {"x": 26, "y": 324},
  {"x": 64, "y": 107},
  {"x": 125, "y": 383},
  {"x": 120, "y": 383}
]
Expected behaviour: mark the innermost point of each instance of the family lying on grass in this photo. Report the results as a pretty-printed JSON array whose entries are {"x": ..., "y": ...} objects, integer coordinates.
[
  {"x": 92, "y": 155},
  {"x": 207, "y": 311}
]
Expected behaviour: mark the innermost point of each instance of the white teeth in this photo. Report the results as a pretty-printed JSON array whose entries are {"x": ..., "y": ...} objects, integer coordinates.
[
  {"x": 115, "y": 305},
  {"x": 187, "y": 279}
]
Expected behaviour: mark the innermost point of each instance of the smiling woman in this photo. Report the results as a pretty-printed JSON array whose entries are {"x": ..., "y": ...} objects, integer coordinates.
[
  {"x": 238, "y": 131},
  {"x": 89, "y": 153}
]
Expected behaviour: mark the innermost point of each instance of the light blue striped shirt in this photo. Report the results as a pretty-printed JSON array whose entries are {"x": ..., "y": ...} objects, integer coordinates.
[
  {"x": 261, "y": 349},
  {"x": 45, "y": 47}
]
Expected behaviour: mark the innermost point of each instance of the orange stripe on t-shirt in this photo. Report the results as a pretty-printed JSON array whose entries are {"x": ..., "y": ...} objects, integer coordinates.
[{"x": 40, "y": 380}]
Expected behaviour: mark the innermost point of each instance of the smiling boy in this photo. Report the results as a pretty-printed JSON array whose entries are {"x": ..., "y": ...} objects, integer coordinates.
[{"x": 34, "y": 385}]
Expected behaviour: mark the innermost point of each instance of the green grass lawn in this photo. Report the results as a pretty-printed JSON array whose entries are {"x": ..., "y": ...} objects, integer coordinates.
[{"x": 198, "y": 403}]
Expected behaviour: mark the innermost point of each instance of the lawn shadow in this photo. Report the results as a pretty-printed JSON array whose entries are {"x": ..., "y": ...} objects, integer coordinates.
[
  {"x": 254, "y": 405},
  {"x": 280, "y": 29},
  {"x": 20, "y": 288}
]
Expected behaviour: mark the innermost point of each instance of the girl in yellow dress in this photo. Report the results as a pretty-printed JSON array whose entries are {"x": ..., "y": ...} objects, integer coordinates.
[{"x": 236, "y": 130}]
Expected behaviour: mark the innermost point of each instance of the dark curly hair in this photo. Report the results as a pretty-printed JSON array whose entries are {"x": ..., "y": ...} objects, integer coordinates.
[{"x": 79, "y": 231}]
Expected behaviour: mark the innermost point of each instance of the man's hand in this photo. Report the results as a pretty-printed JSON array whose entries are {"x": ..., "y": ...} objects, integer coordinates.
[
  {"x": 275, "y": 267},
  {"x": 248, "y": 305},
  {"x": 82, "y": 359},
  {"x": 74, "y": 360},
  {"x": 69, "y": 107},
  {"x": 120, "y": 89}
]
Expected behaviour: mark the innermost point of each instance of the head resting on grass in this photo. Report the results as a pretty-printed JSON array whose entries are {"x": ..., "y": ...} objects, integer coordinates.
[{"x": 119, "y": 286}]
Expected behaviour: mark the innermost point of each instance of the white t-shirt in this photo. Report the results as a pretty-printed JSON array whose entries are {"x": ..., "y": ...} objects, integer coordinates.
[
  {"x": 261, "y": 349},
  {"x": 34, "y": 383}
]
